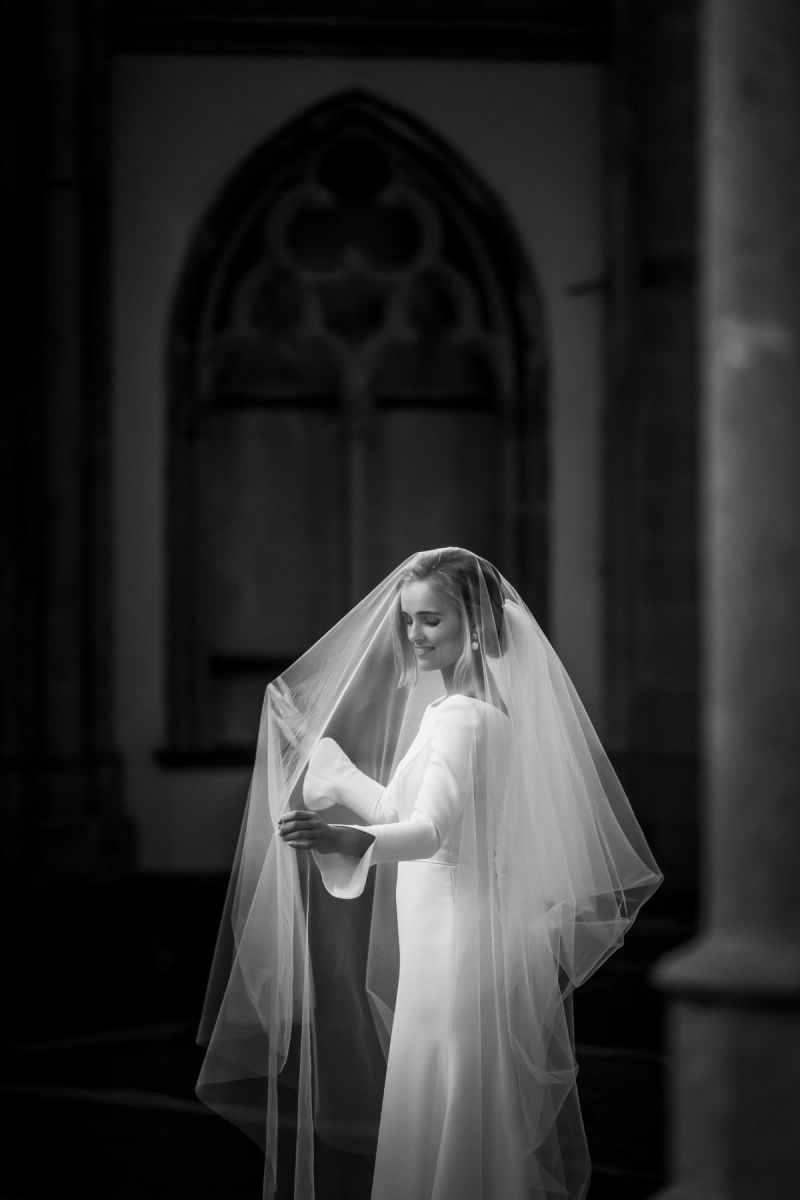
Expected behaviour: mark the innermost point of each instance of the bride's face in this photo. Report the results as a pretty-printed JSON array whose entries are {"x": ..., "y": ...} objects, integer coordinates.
[{"x": 433, "y": 625}]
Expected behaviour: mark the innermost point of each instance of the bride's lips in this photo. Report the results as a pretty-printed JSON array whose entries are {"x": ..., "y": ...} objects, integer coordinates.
[{"x": 422, "y": 649}]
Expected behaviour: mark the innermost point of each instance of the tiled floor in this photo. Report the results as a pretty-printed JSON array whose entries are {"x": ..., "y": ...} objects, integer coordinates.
[{"x": 110, "y": 1112}]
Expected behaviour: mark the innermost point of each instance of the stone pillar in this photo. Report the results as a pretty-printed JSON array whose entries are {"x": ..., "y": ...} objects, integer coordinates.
[
  {"x": 60, "y": 802},
  {"x": 651, "y": 432},
  {"x": 735, "y": 1007}
]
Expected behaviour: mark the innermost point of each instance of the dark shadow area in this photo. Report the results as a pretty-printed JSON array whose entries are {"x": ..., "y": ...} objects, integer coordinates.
[{"x": 100, "y": 1060}]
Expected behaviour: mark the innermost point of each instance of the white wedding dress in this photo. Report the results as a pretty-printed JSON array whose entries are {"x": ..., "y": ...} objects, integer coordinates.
[
  {"x": 451, "y": 1119},
  {"x": 520, "y": 866}
]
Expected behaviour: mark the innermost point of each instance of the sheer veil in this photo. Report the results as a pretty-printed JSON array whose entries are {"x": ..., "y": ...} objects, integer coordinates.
[{"x": 550, "y": 868}]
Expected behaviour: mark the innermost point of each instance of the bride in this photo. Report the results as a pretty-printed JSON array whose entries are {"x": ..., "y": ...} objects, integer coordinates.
[{"x": 421, "y": 1011}]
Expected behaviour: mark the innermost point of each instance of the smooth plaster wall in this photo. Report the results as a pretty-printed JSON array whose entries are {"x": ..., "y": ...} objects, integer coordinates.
[{"x": 180, "y": 127}]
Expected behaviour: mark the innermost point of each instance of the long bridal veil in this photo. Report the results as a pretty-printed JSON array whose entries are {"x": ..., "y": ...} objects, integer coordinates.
[{"x": 552, "y": 868}]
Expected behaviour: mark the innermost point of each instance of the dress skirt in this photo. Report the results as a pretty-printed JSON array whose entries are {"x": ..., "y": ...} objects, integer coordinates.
[{"x": 450, "y": 1120}]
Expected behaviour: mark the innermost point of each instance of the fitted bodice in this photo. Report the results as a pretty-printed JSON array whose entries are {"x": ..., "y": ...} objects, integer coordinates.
[{"x": 476, "y": 735}]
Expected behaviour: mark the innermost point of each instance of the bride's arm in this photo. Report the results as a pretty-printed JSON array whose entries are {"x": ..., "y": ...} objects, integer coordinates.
[
  {"x": 332, "y": 778},
  {"x": 446, "y": 784},
  {"x": 343, "y": 853}
]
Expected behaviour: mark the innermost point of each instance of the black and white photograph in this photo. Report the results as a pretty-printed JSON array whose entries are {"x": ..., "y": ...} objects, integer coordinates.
[{"x": 400, "y": 456}]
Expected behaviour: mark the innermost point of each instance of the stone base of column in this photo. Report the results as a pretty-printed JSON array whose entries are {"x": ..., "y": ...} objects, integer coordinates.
[{"x": 735, "y": 1045}]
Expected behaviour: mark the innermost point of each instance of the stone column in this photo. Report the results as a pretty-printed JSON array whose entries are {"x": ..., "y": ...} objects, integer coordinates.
[
  {"x": 61, "y": 815},
  {"x": 735, "y": 1010}
]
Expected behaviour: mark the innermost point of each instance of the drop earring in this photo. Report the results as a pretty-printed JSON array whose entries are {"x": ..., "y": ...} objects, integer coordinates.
[{"x": 475, "y": 644}]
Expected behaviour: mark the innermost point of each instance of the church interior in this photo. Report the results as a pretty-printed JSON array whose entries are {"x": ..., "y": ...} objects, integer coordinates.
[{"x": 295, "y": 288}]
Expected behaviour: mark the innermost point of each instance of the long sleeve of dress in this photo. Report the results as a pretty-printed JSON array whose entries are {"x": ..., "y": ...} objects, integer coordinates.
[
  {"x": 438, "y": 803},
  {"x": 332, "y": 778}
]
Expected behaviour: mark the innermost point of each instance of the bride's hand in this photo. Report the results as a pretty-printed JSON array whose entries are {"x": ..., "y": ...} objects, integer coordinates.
[{"x": 308, "y": 831}]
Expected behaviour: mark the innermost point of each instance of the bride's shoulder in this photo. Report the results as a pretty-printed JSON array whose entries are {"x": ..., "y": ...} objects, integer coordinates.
[{"x": 469, "y": 708}]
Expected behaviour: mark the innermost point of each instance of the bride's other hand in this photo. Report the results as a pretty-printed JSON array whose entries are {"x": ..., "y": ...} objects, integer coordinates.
[{"x": 308, "y": 831}]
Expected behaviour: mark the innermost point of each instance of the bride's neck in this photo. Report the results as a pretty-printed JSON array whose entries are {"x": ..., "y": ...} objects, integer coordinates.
[{"x": 469, "y": 686}]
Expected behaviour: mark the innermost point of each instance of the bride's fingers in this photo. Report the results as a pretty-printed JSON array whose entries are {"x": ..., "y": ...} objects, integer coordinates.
[
  {"x": 304, "y": 828},
  {"x": 295, "y": 832},
  {"x": 299, "y": 817},
  {"x": 295, "y": 836}
]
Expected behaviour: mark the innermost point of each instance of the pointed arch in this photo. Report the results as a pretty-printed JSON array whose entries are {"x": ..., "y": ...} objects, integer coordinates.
[{"x": 357, "y": 366}]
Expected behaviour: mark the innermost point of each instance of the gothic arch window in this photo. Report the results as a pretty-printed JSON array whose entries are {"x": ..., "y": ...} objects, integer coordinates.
[{"x": 356, "y": 370}]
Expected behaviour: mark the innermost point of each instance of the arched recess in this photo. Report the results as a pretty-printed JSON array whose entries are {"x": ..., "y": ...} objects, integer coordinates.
[{"x": 357, "y": 369}]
